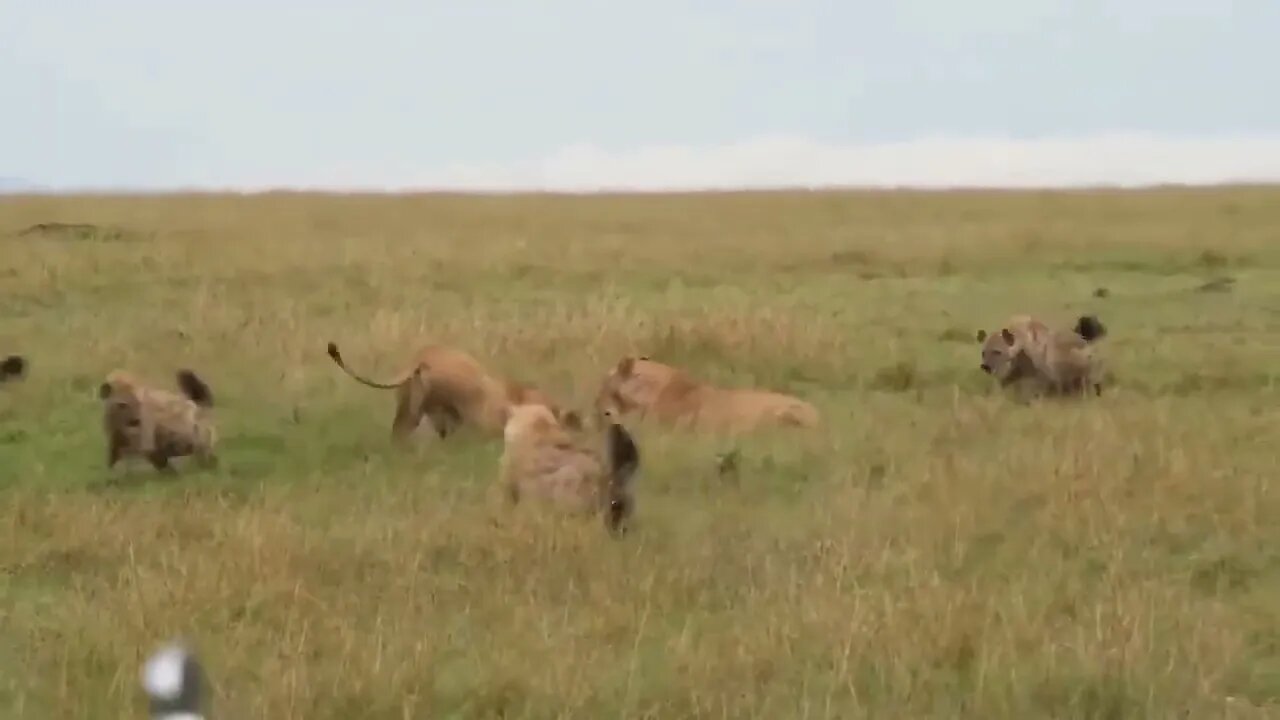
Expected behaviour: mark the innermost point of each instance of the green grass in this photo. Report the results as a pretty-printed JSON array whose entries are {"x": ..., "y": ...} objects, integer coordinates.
[{"x": 937, "y": 550}]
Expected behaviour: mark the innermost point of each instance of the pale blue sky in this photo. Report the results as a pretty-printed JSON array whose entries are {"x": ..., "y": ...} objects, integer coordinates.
[{"x": 386, "y": 92}]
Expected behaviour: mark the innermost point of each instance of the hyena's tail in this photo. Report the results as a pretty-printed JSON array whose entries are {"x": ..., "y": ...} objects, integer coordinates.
[
  {"x": 624, "y": 460},
  {"x": 174, "y": 683},
  {"x": 1090, "y": 328},
  {"x": 337, "y": 359},
  {"x": 195, "y": 388},
  {"x": 13, "y": 366}
]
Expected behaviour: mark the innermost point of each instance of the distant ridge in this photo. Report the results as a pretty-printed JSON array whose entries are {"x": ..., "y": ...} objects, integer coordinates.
[{"x": 18, "y": 185}]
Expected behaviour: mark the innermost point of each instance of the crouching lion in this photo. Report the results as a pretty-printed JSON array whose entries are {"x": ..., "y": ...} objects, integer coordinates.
[
  {"x": 12, "y": 368},
  {"x": 157, "y": 424},
  {"x": 541, "y": 459},
  {"x": 675, "y": 397},
  {"x": 451, "y": 388},
  {"x": 1058, "y": 362}
]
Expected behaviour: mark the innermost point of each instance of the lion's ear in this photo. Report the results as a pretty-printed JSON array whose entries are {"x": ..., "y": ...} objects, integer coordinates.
[
  {"x": 982, "y": 335},
  {"x": 625, "y": 366},
  {"x": 1008, "y": 336},
  {"x": 104, "y": 390}
]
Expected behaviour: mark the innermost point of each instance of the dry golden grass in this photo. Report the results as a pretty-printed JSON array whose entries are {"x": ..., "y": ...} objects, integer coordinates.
[{"x": 936, "y": 550}]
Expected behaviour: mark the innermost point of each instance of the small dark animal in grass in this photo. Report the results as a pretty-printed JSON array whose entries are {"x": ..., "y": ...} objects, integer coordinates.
[
  {"x": 155, "y": 424},
  {"x": 541, "y": 459},
  {"x": 451, "y": 388},
  {"x": 12, "y": 368},
  {"x": 174, "y": 682},
  {"x": 1058, "y": 362}
]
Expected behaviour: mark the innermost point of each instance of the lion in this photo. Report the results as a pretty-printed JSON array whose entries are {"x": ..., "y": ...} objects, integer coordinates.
[
  {"x": 542, "y": 459},
  {"x": 451, "y": 388},
  {"x": 674, "y": 397},
  {"x": 156, "y": 424},
  {"x": 1058, "y": 362},
  {"x": 12, "y": 368}
]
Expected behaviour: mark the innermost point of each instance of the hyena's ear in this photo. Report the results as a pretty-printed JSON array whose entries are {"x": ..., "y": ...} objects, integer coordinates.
[
  {"x": 571, "y": 419},
  {"x": 982, "y": 335},
  {"x": 1008, "y": 336},
  {"x": 625, "y": 366},
  {"x": 104, "y": 391}
]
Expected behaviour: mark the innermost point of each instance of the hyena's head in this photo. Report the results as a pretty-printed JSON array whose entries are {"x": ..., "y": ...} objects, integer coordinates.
[
  {"x": 121, "y": 404},
  {"x": 530, "y": 425},
  {"x": 521, "y": 394},
  {"x": 1000, "y": 351}
]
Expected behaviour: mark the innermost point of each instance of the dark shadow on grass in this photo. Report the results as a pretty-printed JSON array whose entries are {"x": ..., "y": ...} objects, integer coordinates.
[{"x": 134, "y": 479}]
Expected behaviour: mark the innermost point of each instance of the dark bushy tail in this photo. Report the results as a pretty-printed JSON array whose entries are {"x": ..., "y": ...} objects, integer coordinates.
[
  {"x": 624, "y": 460},
  {"x": 13, "y": 366},
  {"x": 1090, "y": 328},
  {"x": 174, "y": 683},
  {"x": 195, "y": 388}
]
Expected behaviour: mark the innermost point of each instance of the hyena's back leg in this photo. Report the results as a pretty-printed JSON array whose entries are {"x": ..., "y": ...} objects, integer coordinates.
[
  {"x": 115, "y": 450},
  {"x": 160, "y": 461}
]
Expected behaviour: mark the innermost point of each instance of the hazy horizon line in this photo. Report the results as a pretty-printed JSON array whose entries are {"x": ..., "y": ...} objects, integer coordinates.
[
  {"x": 754, "y": 190},
  {"x": 769, "y": 163}
]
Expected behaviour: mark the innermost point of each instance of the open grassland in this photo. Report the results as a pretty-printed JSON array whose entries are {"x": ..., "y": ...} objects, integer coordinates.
[{"x": 937, "y": 550}]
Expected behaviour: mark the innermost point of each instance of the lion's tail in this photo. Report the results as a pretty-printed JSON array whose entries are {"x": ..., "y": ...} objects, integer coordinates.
[{"x": 337, "y": 359}]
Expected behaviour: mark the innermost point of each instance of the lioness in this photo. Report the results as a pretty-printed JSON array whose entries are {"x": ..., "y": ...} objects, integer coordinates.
[
  {"x": 450, "y": 388},
  {"x": 157, "y": 424},
  {"x": 673, "y": 396},
  {"x": 12, "y": 368},
  {"x": 541, "y": 459},
  {"x": 1058, "y": 362}
]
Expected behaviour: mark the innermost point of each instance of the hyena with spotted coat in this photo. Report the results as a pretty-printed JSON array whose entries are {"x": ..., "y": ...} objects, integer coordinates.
[
  {"x": 156, "y": 424},
  {"x": 1058, "y": 362}
]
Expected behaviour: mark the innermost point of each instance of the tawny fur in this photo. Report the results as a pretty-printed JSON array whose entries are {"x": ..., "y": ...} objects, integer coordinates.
[
  {"x": 542, "y": 459},
  {"x": 12, "y": 367},
  {"x": 1055, "y": 361},
  {"x": 157, "y": 425},
  {"x": 451, "y": 388},
  {"x": 674, "y": 397}
]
